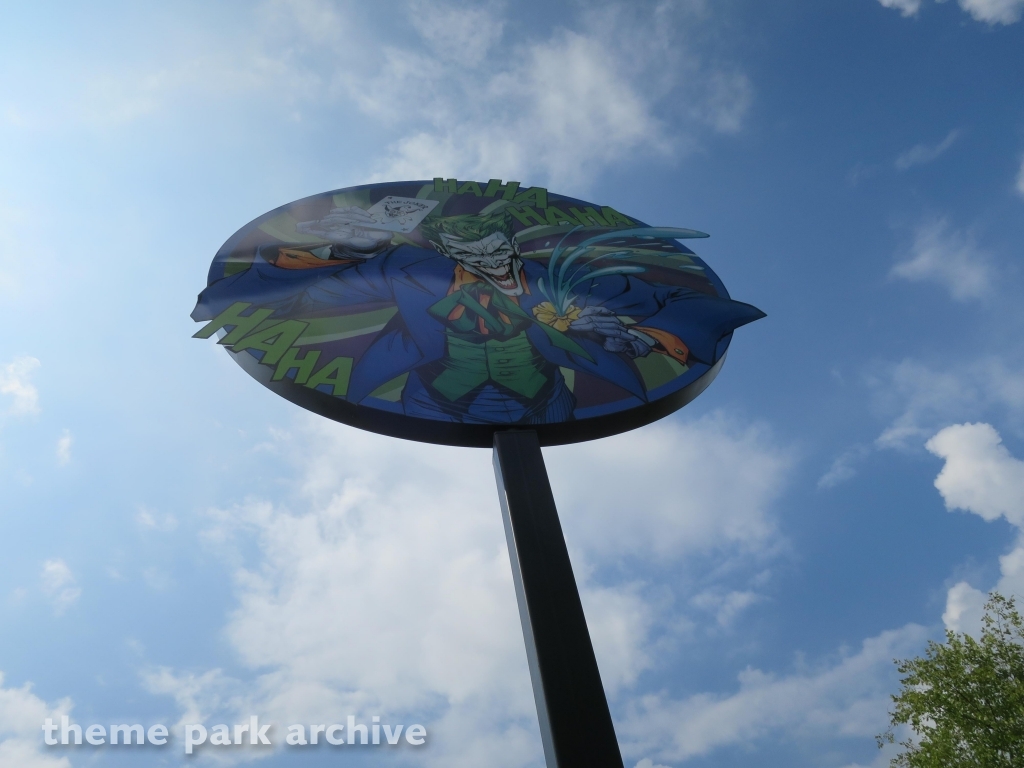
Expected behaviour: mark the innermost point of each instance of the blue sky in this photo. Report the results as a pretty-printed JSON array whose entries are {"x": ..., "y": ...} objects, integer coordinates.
[{"x": 181, "y": 546}]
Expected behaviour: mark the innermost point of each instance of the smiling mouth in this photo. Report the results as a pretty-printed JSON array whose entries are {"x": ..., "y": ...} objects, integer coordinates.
[{"x": 502, "y": 276}]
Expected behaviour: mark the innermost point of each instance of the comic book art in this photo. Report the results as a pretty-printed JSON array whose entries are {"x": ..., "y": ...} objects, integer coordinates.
[{"x": 442, "y": 310}]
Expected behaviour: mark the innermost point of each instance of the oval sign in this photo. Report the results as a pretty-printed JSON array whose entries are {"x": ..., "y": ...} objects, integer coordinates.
[{"x": 444, "y": 310}]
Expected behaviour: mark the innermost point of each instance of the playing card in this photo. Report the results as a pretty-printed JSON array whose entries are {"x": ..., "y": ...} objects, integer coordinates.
[{"x": 400, "y": 214}]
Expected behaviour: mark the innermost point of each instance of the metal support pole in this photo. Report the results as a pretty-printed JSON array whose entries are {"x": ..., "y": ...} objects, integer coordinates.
[{"x": 575, "y": 724}]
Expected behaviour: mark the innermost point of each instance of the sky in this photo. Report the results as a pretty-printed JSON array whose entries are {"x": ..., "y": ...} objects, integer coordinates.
[{"x": 179, "y": 545}]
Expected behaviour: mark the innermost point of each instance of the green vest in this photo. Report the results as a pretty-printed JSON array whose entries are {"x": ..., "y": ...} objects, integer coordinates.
[
  {"x": 512, "y": 362},
  {"x": 505, "y": 355}
]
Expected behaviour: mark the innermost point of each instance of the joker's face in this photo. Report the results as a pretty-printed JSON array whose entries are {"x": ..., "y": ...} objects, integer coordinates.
[{"x": 495, "y": 258}]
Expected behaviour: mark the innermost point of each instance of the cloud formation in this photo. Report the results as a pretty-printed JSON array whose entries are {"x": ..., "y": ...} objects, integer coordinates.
[
  {"x": 449, "y": 88},
  {"x": 848, "y": 697},
  {"x": 844, "y": 467},
  {"x": 21, "y": 716},
  {"x": 149, "y": 519},
  {"x": 949, "y": 258},
  {"x": 981, "y": 476},
  {"x": 15, "y": 381},
  {"x": 64, "y": 443},
  {"x": 994, "y": 11},
  {"x": 922, "y": 154},
  {"x": 989, "y": 11},
  {"x": 669, "y": 476},
  {"x": 928, "y": 396},
  {"x": 59, "y": 584},
  {"x": 560, "y": 107},
  {"x": 387, "y": 589},
  {"x": 905, "y": 7},
  {"x": 921, "y": 397}
]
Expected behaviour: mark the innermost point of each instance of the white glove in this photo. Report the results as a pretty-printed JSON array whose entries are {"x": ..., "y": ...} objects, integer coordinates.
[
  {"x": 617, "y": 337},
  {"x": 351, "y": 228}
]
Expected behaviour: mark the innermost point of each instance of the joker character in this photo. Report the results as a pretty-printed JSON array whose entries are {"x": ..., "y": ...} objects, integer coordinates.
[{"x": 476, "y": 330}]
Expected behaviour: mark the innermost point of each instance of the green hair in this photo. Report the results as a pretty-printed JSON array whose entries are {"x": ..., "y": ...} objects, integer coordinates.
[{"x": 469, "y": 226}]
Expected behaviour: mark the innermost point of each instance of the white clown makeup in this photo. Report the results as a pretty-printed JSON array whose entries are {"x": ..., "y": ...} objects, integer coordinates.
[{"x": 495, "y": 258}]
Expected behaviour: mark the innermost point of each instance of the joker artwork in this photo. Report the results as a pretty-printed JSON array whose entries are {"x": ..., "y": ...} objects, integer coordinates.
[{"x": 467, "y": 328}]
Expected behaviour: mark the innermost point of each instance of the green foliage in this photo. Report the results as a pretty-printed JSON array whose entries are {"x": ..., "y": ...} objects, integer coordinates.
[{"x": 965, "y": 698}]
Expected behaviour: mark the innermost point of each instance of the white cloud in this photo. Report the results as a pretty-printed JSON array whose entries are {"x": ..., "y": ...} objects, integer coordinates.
[
  {"x": 388, "y": 589},
  {"x": 728, "y": 605},
  {"x": 197, "y": 696},
  {"x": 929, "y": 396},
  {"x": 454, "y": 92},
  {"x": 951, "y": 259},
  {"x": 59, "y": 584},
  {"x": 981, "y": 476},
  {"x": 906, "y": 7},
  {"x": 148, "y": 518},
  {"x": 922, "y": 154},
  {"x": 621, "y": 619},
  {"x": 844, "y": 467},
  {"x": 924, "y": 397},
  {"x": 847, "y": 698},
  {"x": 965, "y": 606},
  {"x": 668, "y": 476},
  {"x": 989, "y": 11},
  {"x": 461, "y": 32},
  {"x": 14, "y": 381},
  {"x": 391, "y": 594},
  {"x": 64, "y": 448},
  {"x": 558, "y": 108},
  {"x": 22, "y": 714},
  {"x": 1020, "y": 179},
  {"x": 994, "y": 11}
]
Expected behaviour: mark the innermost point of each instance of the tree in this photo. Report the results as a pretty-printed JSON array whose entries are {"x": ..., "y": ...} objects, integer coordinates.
[{"x": 965, "y": 698}]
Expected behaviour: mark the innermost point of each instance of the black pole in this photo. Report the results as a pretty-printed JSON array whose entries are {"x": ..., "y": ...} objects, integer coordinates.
[{"x": 575, "y": 724}]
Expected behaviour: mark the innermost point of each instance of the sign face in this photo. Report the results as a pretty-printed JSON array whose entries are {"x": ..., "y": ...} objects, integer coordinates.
[{"x": 444, "y": 310}]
